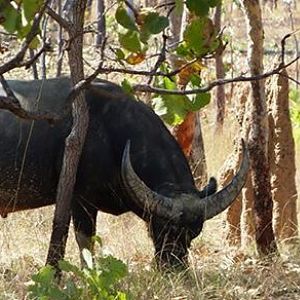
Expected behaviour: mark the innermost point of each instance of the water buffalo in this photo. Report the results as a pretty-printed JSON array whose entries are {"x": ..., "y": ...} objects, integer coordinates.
[{"x": 130, "y": 162}]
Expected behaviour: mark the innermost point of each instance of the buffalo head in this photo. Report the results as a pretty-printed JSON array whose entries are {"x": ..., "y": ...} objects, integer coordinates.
[{"x": 175, "y": 222}]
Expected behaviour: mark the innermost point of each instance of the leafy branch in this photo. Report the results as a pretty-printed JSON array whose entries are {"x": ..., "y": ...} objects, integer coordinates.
[{"x": 17, "y": 60}]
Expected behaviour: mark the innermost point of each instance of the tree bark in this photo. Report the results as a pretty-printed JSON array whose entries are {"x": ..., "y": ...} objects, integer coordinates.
[
  {"x": 233, "y": 215},
  {"x": 184, "y": 133},
  {"x": 60, "y": 42},
  {"x": 258, "y": 134},
  {"x": 101, "y": 26},
  {"x": 239, "y": 218},
  {"x": 197, "y": 157},
  {"x": 220, "y": 73},
  {"x": 74, "y": 141}
]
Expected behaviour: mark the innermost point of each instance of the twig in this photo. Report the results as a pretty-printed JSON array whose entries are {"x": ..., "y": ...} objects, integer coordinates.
[
  {"x": 290, "y": 78},
  {"x": 133, "y": 9},
  {"x": 46, "y": 47}
]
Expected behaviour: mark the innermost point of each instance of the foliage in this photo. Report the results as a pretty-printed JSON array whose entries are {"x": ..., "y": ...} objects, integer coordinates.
[
  {"x": 135, "y": 31},
  {"x": 199, "y": 40},
  {"x": 97, "y": 281},
  {"x": 294, "y": 96},
  {"x": 173, "y": 108},
  {"x": 17, "y": 16}
]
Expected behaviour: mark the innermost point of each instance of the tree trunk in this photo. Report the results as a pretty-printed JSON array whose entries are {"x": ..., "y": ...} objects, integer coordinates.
[
  {"x": 101, "y": 26},
  {"x": 74, "y": 141},
  {"x": 220, "y": 73},
  {"x": 189, "y": 136},
  {"x": 184, "y": 133},
  {"x": 258, "y": 134},
  {"x": 282, "y": 160},
  {"x": 233, "y": 215},
  {"x": 197, "y": 158},
  {"x": 60, "y": 42},
  {"x": 33, "y": 66}
]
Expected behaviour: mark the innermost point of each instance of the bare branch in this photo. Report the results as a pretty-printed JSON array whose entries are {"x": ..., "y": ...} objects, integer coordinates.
[
  {"x": 12, "y": 104},
  {"x": 211, "y": 85},
  {"x": 46, "y": 47},
  {"x": 290, "y": 78},
  {"x": 55, "y": 16}
]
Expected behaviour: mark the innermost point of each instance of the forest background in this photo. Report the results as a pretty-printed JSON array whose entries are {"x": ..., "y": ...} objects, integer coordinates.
[{"x": 220, "y": 268}]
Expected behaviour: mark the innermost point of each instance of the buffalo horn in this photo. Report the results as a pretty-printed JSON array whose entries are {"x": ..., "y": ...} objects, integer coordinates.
[
  {"x": 216, "y": 203},
  {"x": 173, "y": 208},
  {"x": 145, "y": 198}
]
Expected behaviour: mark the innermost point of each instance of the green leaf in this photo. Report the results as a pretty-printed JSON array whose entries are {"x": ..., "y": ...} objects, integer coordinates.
[
  {"x": 124, "y": 19},
  {"x": 182, "y": 50},
  {"x": 195, "y": 80},
  {"x": 195, "y": 36},
  {"x": 120, "y": 54},
  {"x": 127, "y": 86},
  {"x": 214, "y": 3},
  {"x": 154, "y": 23},
  {"x": 30, "y": 8},
  {"x": 171, "y": 108},
  {"x": 10, "y": 19},
  {"x": 34, "y": 43},
  {"x": 112, "y": 269},
  {"x": 199, "y": 101},
  {"x": 179, "y": 6},
  {"x": 130, "y": 41},
  {"x": 45, "y": 275},
  {"x": 69, "y": 268},
  {"x": 144, "y": 35},
  {"x": 198, "y": 7}
]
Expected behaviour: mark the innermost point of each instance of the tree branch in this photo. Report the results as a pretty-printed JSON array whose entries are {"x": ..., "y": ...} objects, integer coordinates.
[
  {"x": 12, "y": 104},
  {"x": 211, "y": 85},
  {"x": 55, "y": 16}
]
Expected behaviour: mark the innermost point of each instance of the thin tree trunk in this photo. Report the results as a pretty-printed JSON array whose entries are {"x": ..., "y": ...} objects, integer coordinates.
[
  {"x": 74, "y": 141},
  {"x": 33, "y": 66},
  {"x": 43, "y": 57},
  {"x": 101, "y": 27},
  {"x": 258, "y": 134},
  {"x": 220, "y": 73},
  {"x": 60, "y": 52},
  {"x": 197, "y": 158}
]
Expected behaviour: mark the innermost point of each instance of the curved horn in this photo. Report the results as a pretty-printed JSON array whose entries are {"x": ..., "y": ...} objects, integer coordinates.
[
  {"x": 215, "y": 204},
  {"x": 143, "y": 196}
]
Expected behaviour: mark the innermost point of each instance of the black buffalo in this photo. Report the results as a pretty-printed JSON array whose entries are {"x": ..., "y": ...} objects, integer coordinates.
[{"x": 130, "y": 162}]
